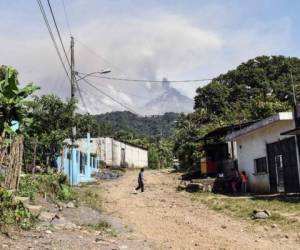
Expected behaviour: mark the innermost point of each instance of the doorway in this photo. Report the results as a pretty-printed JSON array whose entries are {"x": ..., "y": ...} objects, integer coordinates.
[{"x": 283, "y": 166}]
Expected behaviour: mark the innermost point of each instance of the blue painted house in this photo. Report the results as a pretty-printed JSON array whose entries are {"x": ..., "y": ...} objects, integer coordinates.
[{"x": 79, "y": 163}]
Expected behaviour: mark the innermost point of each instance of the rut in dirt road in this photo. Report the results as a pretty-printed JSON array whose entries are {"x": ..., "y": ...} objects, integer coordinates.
[{"x": 172, "y": 220}]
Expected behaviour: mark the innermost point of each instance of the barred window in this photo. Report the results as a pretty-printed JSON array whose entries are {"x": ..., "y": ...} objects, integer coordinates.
[{"x": 261, "y": 165}]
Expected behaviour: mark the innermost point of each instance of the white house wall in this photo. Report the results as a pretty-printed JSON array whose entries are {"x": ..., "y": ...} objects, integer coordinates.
[
  {"x": 253, "y": 145},
  {"x": 111, "y": 153}
]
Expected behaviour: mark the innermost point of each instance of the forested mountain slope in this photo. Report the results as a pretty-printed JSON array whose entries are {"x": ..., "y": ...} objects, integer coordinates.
[{"x": 155, "y": 125}]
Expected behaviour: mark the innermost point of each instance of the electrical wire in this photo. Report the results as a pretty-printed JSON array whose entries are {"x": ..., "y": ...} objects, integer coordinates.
[
  {"x": 110, "y": 97},
  {"x": 97, "y": 98},
  {"x": 58, "y": 32},
  {"x": 81, "y": 97},
  {"x": 147, "y": 81},
  {"x": 96, "y": 54},
  {"x": 125, "y": 92},
  {"x": 92, "y": 51},
  {"x": 52, "y": 36},
  {"x": 66, "y": 17}
]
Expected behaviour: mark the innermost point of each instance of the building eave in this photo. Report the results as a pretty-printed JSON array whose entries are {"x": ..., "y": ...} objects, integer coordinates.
[{"x": 282, "y": 116}]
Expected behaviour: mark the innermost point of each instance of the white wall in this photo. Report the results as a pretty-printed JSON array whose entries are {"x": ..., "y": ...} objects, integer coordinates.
[
  {"x": 253, "y": 145},
  {"x": 110, "y": 153}
]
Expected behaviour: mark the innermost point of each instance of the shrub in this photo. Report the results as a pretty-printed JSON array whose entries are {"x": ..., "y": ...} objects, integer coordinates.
[
  {"x": 55, "y": 186},
  {"x": 13, "y": 212},
  {"x": 28, "y": 187},
  {"x": 66, "y": 193}
]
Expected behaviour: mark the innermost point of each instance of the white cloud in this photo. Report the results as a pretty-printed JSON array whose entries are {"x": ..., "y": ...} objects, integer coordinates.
[{"x": 152, "y": 45}]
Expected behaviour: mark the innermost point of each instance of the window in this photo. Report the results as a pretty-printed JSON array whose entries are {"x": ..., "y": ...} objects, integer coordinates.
[
  {"x": 261, "y": 165},
  {"x": 85, "y": 158},
  {"x": 82, "y": 165}
]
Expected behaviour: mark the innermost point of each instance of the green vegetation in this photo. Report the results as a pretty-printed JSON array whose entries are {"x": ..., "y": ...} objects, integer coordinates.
[
  {"x": 283, "y": 212},
  {"x": 13, "y": 212},
  {"x": 103, "y": 227},
  {"x": 13, "y": 103},
  {"x": 91, "y": 197},
  {"x": 254, "y": 90},
  {"x": 151, "y": 126},
  {"x": 54, "y": 186}
]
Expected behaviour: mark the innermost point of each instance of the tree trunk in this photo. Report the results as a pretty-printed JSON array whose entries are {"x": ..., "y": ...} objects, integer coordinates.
[
  {"x": 34, "y": 157},
  {"x": 12, "y": 178}
]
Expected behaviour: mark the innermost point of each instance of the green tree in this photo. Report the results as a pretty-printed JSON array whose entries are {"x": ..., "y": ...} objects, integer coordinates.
[
  {"x": 254, "y": 90},
  {"x": 52, "y": 120}
]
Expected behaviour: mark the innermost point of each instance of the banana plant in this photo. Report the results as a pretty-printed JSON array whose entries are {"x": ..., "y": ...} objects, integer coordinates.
[{"x": 13, "y": 101}]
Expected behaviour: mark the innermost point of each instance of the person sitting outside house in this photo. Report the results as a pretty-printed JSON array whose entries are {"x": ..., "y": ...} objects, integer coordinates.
[
  {"x": 141, "y": 180},
  {"x": 244, "y": 178}
]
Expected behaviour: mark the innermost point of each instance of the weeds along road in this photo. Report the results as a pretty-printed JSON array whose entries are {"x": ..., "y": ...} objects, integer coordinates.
[{"x": 167, "y": 219}]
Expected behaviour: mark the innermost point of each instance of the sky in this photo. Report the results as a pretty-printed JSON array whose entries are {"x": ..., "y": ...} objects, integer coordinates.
[{"x": 144, "y": 39}]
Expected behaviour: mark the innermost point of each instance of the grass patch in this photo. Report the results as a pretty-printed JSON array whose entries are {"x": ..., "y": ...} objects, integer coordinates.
[
  {"x": 91, "y": 197},
  {"x": 285, "y": 213},
  {"x": 103, "y": 227},
  {"x": 13, "y": 212}
]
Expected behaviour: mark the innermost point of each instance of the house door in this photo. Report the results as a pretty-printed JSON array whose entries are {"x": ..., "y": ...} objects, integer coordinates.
[
  {"x": 279, "y": 173},
  {"x": 283, "y": 166},
  {"x": 123, "y": 157}
]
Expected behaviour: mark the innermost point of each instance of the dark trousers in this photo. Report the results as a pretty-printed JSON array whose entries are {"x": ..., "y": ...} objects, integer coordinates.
[
  {"x": 244, "y": 187},
  {"x": 140, "y": 186}
]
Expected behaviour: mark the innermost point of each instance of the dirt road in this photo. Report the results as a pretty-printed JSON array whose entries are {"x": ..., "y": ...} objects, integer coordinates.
[
  {"x": 166, "y": 219},
  {"x": 158, "y": 219}
]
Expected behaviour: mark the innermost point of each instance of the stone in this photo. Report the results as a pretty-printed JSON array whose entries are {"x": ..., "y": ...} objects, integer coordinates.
[
  {"x": 48, "y": 232},
  {"x": 46, "y": 216},
  {"x": 194, "y": 187},
  {"x": 24, "y": 200},
  {"x": 62, "y": 223},
  {"x": 70, "y": 205},
  {"x": 274, "y": 226},
  {"x": 267, "y": 212},
  {"x": 60, "y": 206},
  {"x": 35, "y": 210},
  {"x": 260, "y": 215},
  {"x": 224, "y": 226}
]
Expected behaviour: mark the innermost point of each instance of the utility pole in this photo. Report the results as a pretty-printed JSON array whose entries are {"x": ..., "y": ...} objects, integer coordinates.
[
  {"x": 293, "y": 87},
  {"x": 72, "y": 70},
  {"x": 72, "y": 100}
]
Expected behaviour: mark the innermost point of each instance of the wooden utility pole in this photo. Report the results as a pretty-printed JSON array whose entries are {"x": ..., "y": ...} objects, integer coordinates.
[
  {"x": 73, "y": 89},
  {"x": 72, "y": 70},
  {"x": 73, "y": 101}
]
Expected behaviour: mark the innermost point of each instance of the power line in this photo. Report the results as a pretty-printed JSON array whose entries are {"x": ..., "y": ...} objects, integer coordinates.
[
  {"x": 110, "y": 97},
  {"x": 81, "y": 97},
  {"x": 66, "y": 17},
  {"x": 52, "y": 36},
  {"x": 125, "y": 92},
  {"x": 92, "y": 51},
  {"x": 147, "y": 81},
  {"x": 97, "y": 96},
  {"x": 96, "y": 54},
  {"x": 58, "y": 32}
]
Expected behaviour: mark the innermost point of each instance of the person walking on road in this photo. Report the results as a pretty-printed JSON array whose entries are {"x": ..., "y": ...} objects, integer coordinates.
[{"x": 141, "y": 180}]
